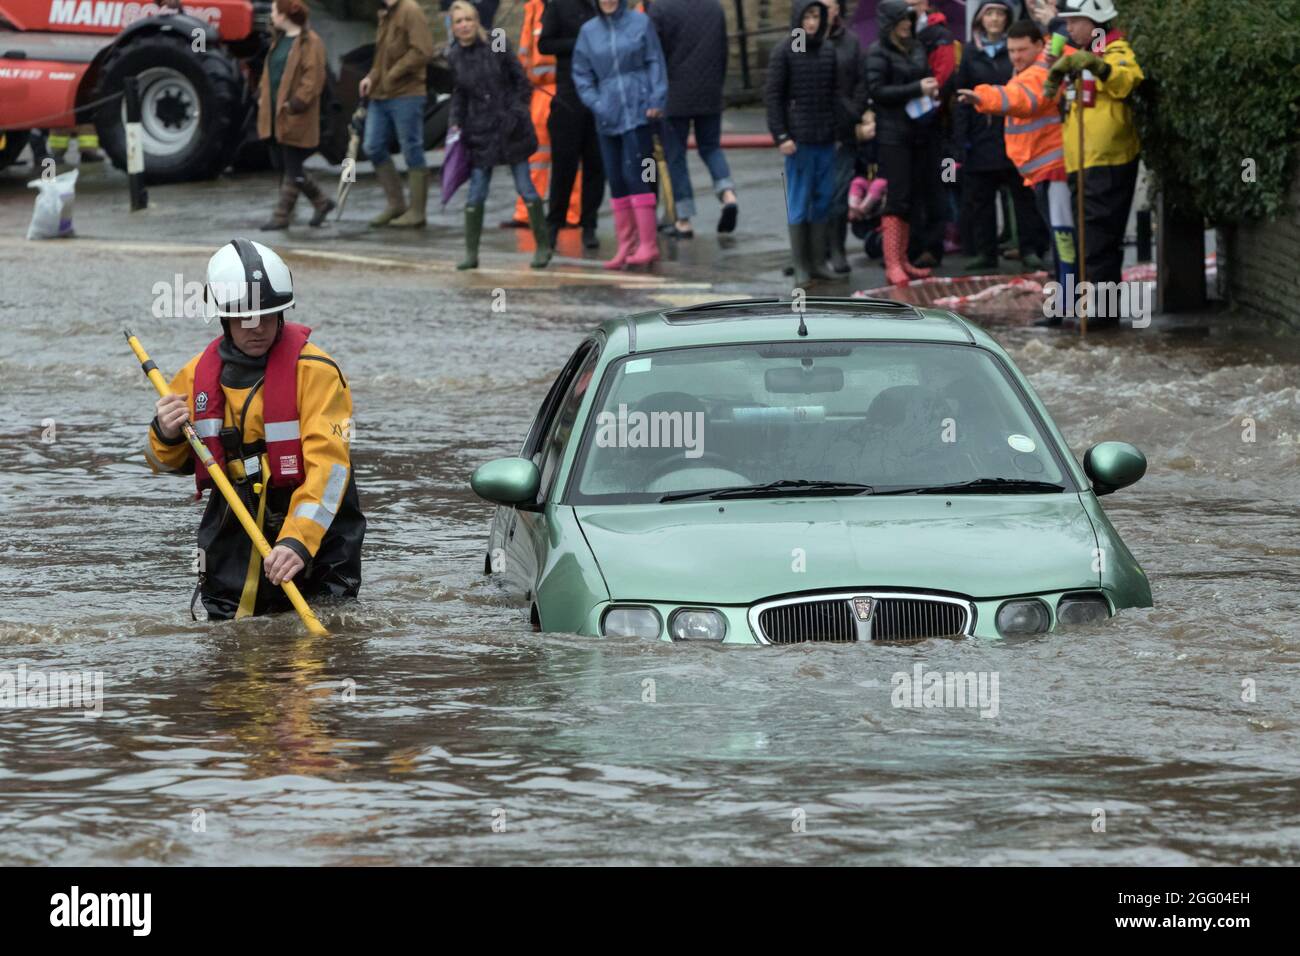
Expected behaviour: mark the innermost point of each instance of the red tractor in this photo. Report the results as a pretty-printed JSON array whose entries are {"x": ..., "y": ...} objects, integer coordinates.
[{"x": 64, "y": 62}]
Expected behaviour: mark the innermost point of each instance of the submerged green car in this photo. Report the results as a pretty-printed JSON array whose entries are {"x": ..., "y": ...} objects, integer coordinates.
[{"x": 855, "y": 470}]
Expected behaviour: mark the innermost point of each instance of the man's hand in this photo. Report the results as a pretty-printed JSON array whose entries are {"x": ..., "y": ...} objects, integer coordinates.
[
  {"x": 364, "y": 88},
  {"x": 968, "y": 97},
  {"x": 172, "y": 412},
  {"x": 929, "y": 86},
  {"x": 788, "y": 147},
  {"x": 282, "y": 564}
]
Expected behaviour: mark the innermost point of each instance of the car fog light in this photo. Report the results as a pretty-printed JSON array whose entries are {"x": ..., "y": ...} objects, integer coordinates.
[
  {"x": 697, "y": 624},
  {"x": 1082, "y": 609},
  {"x": 1023, "y": 617},
  {"x": 631, "y": 622}
]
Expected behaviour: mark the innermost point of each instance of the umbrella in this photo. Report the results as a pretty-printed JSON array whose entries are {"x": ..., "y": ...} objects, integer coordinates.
[
  {"x": 349, "y": 174},
  {"x": 665, "y": 181},
  {"x": 455, "y": 166}
]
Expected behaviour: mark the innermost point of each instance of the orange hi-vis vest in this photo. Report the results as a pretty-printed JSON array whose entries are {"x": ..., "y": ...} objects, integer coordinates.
[
  {"x": 540, "y": 70},
  {"x": 1033, "y": 122}
]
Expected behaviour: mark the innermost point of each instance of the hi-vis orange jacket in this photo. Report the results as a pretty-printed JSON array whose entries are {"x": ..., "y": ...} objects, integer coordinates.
[
  {"x": 540, "y": 69},
  {"x": 1033, "y": 127},
  {"x": 320, "y": 518}
]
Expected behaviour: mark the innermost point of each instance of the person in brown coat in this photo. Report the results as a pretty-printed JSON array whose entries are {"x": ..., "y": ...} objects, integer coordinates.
[
  {"x": 288, "y": 109},
  {"x": 396, "y": 87}
]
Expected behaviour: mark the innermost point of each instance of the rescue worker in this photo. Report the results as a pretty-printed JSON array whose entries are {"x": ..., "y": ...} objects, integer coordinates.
[
  {"x": 1033, "y": 138},
  {"x": 276, "y": 413},
  {"x": 1110, "y": 136},
  {"x": 397, "y": 89},
  {"x": 540, "y": 70}
]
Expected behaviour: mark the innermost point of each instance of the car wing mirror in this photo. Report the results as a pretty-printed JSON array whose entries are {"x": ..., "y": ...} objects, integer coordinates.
[
  {"x": 1112, "y": 465},
  {"x": 507, "y": 481}
]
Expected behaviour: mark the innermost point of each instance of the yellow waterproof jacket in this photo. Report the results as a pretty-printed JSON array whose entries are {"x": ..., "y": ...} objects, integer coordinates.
[
  {"x": 1110, "y": 135},
  {"x": 325, "y": 426}
]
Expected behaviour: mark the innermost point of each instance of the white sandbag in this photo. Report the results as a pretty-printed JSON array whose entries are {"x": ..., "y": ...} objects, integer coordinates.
[{"x": 52, "y": 217}]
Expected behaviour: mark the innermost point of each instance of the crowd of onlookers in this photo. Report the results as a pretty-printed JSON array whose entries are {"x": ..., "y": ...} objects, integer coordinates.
[{"x": 920, "y": 145}]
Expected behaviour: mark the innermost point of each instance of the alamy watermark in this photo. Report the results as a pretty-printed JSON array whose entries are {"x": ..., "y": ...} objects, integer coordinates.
[
  {"x": 951, "y": 689},
  {"x": 1110, "y": 300},
  {"x": 639, "y": 429},
  {"x": 44, "y": 690}
]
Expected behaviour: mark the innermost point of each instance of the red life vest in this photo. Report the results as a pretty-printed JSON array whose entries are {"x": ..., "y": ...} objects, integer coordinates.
[{"x": 279, "y": 408}]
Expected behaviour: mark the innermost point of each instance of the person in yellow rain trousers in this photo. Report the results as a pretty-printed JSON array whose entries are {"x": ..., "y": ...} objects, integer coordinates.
[
  {"x": 540, "y": 69},
  {"x": 276, "y": 413}
]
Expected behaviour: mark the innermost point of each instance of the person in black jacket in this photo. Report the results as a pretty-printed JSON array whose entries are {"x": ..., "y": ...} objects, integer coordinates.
[
  {"x": 693, "y": 34},
  {"x": 983, "y": 151},
  {"x": 490, "y": 109},
  {"x": 801, "y": 111},
  {"x": 572, "y": 127},
  {"x": 907, "y": 134},
  {"x": 851, "y": 81}
]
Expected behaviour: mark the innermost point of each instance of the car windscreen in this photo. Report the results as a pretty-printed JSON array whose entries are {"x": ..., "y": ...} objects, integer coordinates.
[{"x": 896, "y": 415}]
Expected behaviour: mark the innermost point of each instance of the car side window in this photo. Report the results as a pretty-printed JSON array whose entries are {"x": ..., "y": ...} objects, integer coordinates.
[
  {"x": 546, "y": 413},
  {"x": 561, "y": 427}
]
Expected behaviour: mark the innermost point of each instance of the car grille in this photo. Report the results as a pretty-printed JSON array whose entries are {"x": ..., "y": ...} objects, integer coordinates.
[{"x": 832, "y": 620}]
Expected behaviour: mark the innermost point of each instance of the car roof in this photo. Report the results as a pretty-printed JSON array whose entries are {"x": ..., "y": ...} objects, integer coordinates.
[{"x": 824, "y": 318}]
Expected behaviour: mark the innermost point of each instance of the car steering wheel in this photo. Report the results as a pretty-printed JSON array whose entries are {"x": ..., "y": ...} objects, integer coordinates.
[{"x": 678, "y": 463}]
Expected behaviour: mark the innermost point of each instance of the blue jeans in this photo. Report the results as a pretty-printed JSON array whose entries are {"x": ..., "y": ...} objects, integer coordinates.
[
  {"x": 403, "y": 115},
  {"x": 624, "y": 157},
  {"x": 480, "y": 180},
  {"x": 810, "y": 183},
  {"x": 708, "y": 140}
]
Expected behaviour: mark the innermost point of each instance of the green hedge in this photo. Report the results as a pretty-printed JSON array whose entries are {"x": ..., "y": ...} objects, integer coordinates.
[{"x": 1222, "y": 87}]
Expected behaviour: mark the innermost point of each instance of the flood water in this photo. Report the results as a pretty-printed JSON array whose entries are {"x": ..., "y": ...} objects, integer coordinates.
[{"x": 432, "y": 712}]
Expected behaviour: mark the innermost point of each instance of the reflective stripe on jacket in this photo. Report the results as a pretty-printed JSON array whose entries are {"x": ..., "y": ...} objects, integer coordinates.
[
  {"x": 324, "y": 425},
  {"x": 1033, "y": 123}
]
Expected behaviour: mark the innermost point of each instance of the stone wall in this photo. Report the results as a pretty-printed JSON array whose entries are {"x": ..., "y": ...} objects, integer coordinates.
[{"x": 1260, "y": 272}]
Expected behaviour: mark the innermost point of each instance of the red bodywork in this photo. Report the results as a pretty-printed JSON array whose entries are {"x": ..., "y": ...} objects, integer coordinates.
[{"x": 48, "y": 46}]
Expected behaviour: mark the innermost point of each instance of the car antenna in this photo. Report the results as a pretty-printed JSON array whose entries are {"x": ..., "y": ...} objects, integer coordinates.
[{"x": 785, "y": 195}]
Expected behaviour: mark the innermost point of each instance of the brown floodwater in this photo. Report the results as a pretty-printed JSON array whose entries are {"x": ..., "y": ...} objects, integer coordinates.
[{"x": 433, "y": 726}]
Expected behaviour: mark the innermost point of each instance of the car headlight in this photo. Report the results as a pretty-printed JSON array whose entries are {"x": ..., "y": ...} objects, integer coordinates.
[
  {"x": 1016, "y": 618},
  {"x": 1082, "y": 609},
  {"x": 641, "y": 622},
  {"x": 697, "y": 624}
]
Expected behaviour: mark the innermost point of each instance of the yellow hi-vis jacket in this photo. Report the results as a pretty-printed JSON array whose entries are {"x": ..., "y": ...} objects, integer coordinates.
[
  {"x": 325, "y": 427},
  {"x": 1110, "y": 135}
]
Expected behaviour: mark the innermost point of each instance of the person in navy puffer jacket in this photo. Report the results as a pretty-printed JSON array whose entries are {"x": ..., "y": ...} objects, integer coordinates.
[{"x": 620, "y": 75}]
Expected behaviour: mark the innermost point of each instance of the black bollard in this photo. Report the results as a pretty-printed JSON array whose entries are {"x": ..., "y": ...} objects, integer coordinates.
[
  {"x": 134, "y": 147},
  {"x": 1144, "y": 235}
]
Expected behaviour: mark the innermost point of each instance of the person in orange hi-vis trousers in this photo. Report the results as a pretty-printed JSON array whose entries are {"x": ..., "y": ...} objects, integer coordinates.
[{"x": 541, "y": 73}]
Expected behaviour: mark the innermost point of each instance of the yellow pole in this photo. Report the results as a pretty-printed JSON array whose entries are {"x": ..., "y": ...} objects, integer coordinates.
[
  {"x": 1081, "y": 253},
  {"x": 223, "y": 484}
]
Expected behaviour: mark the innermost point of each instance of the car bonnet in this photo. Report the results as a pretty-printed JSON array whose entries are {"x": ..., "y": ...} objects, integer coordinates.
[{"x": 738, "y": 552}]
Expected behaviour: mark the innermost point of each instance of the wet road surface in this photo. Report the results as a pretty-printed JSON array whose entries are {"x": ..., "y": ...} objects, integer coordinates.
[{"x": 434, "y": 726}]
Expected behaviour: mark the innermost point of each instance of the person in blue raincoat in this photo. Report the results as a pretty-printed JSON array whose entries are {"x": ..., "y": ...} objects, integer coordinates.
[{"x": 620, "y": 75}]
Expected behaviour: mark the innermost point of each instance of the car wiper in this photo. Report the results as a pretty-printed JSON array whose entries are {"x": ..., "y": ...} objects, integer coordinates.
[
  {"x": 785, "y": 486},
  {"x": 1022, "y": 486}
]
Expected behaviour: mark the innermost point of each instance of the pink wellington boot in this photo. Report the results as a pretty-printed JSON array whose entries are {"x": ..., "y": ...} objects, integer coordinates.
[
  {"x": 643, "y": 208},
  {"x": 624, "y": 230}
]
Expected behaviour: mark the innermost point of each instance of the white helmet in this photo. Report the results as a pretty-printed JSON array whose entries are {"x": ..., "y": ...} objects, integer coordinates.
[
  {"x": 1098, "y": 11},
  {"x": 245, "y": 279}
]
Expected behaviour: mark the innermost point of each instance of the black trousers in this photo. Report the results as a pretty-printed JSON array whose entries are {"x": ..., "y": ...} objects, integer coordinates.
[
  {"x": 916, "y": 191},
  {"x": 288, "y": 161},
  {"x": 573, "y": 143},
  {"x": 979, "y": 196},
  {"x": 1107, "y": 198}
]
